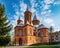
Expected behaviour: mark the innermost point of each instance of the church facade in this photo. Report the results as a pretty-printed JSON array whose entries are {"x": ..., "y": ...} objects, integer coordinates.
[{"x": 31, "y": 31}]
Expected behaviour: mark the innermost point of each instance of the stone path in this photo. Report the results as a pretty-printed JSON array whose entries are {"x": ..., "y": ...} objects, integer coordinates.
[{"x": 14, "y": 47}]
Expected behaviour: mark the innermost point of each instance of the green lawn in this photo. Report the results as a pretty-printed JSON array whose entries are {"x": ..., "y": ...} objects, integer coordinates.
[
  {"x": 1, "y": 47},
  {"x": 43, "y": 46}
]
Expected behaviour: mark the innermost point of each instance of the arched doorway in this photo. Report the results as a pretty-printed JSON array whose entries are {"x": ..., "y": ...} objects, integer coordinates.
[{"x": 20, "y": 41}]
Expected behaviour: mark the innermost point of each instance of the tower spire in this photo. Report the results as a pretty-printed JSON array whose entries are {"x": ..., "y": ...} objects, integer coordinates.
[
  {"x": 35, "y": 20},
  {"x": 27, "y": 15},
  {"x": 27, "y": 9},
  {"x": 35, "y": 17},
  {"x": 19, "y": 18}
]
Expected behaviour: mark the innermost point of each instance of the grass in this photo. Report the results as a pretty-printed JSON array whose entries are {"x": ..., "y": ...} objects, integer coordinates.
[
  {"x": 47, "y": 46},
  {"x": 1, "y": 47},
  {"x": 41, "y": 46}
]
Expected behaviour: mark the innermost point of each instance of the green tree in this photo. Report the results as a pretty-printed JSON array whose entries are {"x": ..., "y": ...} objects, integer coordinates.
[
  {"x": 51, "y": 28},
  {"x": 5, "y": 27},
  {"x": 51, "y": 31}
]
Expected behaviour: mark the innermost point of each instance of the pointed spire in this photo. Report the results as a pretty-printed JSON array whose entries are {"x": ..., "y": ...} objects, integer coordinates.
[
  {"x": 35, "y": 17},
  {"x": 19, "y": 18},
  {"x": 27, "y": 9},
  {"x": 27, "y": 22}
]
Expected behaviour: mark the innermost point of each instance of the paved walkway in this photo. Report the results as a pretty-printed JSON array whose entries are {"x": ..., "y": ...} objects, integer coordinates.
[{"x": 14, "y": 47}]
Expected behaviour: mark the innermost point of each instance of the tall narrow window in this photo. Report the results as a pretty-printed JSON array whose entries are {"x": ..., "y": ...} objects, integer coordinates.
[
  {"x": 25, "y": 32},
  {"x": 30, "y": 31},
  {"x": 41, "y": 34},
  {"x": 20, "y": 32}
]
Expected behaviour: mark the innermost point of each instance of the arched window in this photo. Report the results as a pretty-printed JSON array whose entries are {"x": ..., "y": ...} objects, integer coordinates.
[
  {"x": 25, "y": 30},
  {"x": 20, "y": 32},
  {"x": 41, "y": 33},
  {"x": 34, "y": 34}
]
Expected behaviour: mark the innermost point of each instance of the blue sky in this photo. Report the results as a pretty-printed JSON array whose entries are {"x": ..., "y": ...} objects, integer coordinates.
[{"x": 47, "y": 11}]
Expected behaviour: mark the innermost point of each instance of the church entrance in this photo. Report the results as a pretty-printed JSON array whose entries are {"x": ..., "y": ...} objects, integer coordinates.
[{"x": 20, "y": 41}]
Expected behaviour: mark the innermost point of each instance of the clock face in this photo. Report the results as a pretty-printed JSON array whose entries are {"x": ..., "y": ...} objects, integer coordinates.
[{"x": 20, "y": 32}]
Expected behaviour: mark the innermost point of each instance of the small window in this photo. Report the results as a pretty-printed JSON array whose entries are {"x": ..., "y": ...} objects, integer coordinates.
[
  {"x": 56, "y": 35},
  {"x": 20, "y": 32},
  {"x": 56, "y": 38}
]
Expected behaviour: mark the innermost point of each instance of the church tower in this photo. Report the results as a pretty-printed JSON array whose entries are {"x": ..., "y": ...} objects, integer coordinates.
[
  {"x": 35, "y": 20},
  {"x": 27, "y": 16},
  {"x": 19, "y": 20}
]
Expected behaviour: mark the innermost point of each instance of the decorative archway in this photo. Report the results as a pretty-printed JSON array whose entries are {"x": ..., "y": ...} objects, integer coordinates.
[{"x": 20, "y": 41}]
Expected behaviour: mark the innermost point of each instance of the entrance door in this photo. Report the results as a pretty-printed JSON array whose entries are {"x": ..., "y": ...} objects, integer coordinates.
[{"x": 20, "y": 41}]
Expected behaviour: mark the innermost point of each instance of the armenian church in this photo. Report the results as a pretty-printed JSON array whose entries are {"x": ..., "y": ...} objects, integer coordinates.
[{"x": 31, "y": 31}]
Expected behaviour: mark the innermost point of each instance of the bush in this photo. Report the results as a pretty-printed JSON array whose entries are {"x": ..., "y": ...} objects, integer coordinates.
[{"x": 45, "y": 43}]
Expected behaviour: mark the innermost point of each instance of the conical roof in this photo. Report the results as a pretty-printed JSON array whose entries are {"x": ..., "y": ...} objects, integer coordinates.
[
  {"x": 20, "y": 24},
  {"x": 27, "y": 9},
  {"x": 35, "y": 17},
  {"x": 42, "y": 26},
  {"x": 19, "y": 18}
]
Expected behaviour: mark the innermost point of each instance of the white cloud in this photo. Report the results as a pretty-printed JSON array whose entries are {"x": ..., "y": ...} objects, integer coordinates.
[
  {"x": 23, "y": 6},
  {"x": 49, "y": 21},
  {"x": 45, "y": 7},
  {"x": 49, "y": 11},
  {"x": 15, "y": 6},
  {"x": 33, "y": 3},
  {"x": 17, "y": 12},
  {"x": 47, "y": 4},
  {"x": 46, "y": 13},
  {"x": 49, "y": 1},
  {"x": 56, "y": 29},
  {"x": 33, "y": 10},
  {"x": 57, "y": 3}
]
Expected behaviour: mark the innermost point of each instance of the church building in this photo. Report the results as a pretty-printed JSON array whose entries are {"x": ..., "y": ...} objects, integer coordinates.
[{"x": 31, "y": 31}]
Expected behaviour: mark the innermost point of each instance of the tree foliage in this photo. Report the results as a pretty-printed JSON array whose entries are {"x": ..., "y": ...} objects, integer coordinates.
[
  {"x": 5, "y": 27},
  {"x": 51, "y": 28}
]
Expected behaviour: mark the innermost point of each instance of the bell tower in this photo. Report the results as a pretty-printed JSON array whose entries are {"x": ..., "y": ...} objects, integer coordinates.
[
  {"x": 19, "y": 20},
  {"x": 35, "y": 20},
  {"x": 27, "y": 16}
]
